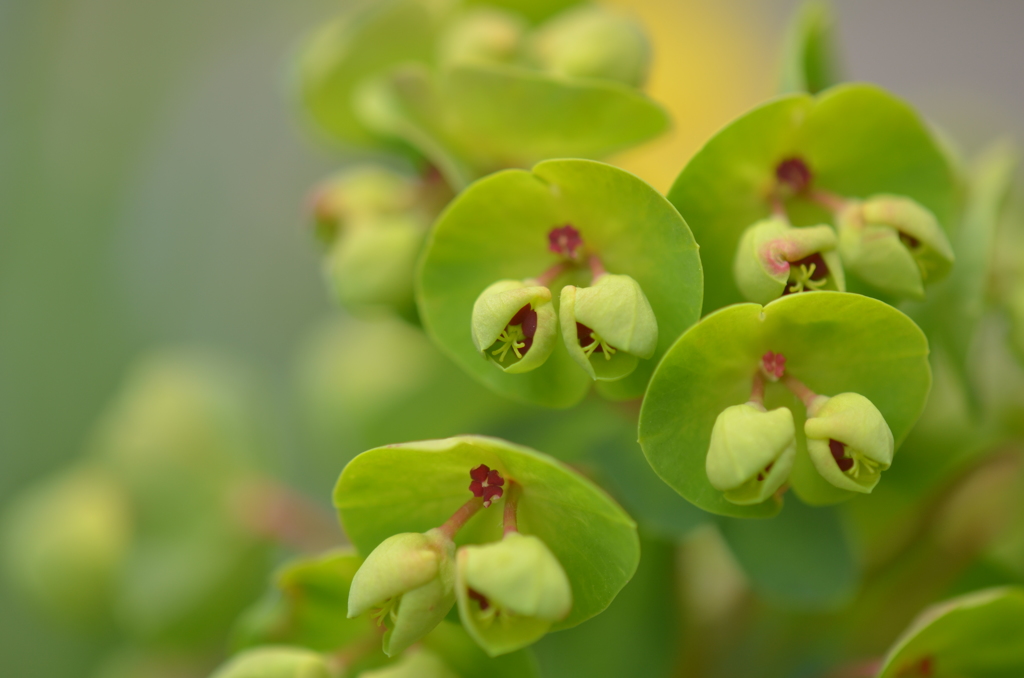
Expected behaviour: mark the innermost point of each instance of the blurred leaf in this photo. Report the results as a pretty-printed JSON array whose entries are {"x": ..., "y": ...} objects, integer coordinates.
[
  {"x": 801, "y": 558},
  {"x": 534, "y": 10},
  {"x": 810, "y": 60},
  {"x": 638, "y": 635},
  {"x": 415, "y": 487},
  {"x": 464, "y": 656},
  {"x": 979, "y": 635}
]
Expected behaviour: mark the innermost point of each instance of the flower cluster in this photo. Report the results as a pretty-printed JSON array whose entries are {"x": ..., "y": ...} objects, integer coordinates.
[{"x": 606, "y": 327}]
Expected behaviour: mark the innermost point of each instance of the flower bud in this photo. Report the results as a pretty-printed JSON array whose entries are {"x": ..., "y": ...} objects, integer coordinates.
[
  {"x": 409, "y": 581},
  {"x": 848, "y": 441},
  {"x": 608, "y": 325},
  {"x": 751, "y": 452},
  {"x": 894, "y": 244},
  {"x": 482, "y": 35},
  {"x": 775, "y": 258},
  {"x": 64, "y": 542},
  {"x": 593, "y": 42},
  {"x": 372, "y": 262},
  {"x": 358, "y": 194},
  {"x": 418, "y": 664},
  {"x": 275, "y": 662},
  {"x": 510, "y": 592},
  {"x": 514, "y": 325}
]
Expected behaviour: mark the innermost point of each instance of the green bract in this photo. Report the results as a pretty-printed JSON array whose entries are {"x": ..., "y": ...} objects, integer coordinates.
[
  {"x": 498, "y": 229},
  {"x": 855, "y": 140},
  {"x": 416, "y": 664},
  {"x": 751, "y": 452},
  {"x": 510, "y": 592},
  {"x": 482, "y": 35},
  {"x": 408, "y": 580},
  {"x": 773, "y": 259},
  {"x": 275, "y": 662},
  {"x": 853, "y": 422},
  {"x": 418, "y": 486},
  {"x": 811, "y": 63},
  {"x": 833, "y": 342},
  {"x": 893, "y": 244},
  {"x": 979, "y": 634},
  {"x": 606, "y": 327},
  {"x": 514, "y": 325}
]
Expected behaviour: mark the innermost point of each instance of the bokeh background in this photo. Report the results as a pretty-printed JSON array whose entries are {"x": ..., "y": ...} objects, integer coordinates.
[{"x": 153, "y": 172}]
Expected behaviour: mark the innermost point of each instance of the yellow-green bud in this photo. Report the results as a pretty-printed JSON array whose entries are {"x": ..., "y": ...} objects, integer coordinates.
[
  {"x": 848, "y": 441},
  {"x": 510, "y": 592},
  {"x": 275, "y": 662},
  {"x": 775, "y": 258},
  {"x": 514, "y": 325},
  {"x": 593, "y": 42},
  {"x": 358, "y": 194},
  {"x": 64, "y": 541},
  {"x": 373, "y": 261},
  {"x": 409, "y": 581},
  {"x": 418, "y": 664},
  {"x": 751, "y": 452},
  {"x": 482, "y": 35},
  {"x": 894, "y": 244},
  {"x": 608, "y": 325}
]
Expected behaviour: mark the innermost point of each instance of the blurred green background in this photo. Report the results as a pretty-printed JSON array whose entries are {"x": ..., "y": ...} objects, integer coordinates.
[{"x": 153, "y": 172}]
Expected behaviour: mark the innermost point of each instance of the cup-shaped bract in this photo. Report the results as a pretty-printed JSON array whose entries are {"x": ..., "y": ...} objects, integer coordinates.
[
  {"x": 774, "y": 258},
  {"x": 833, "y": 342},
  {"x": 591, "y": 41},
  {"x": 65, "y": 540},
  {"x": 514, "y": 325},
  {"x": 409, "y": 583},
  {"x": 275, "y": 662},
  {"x": 852, "y": 140},
  {"x": 751, "y": 452},
  {"x": 894, "y": 244},
  {"x": 607, "y": 326},
  {"x": 510, "y": 592},
  {"x": 485, "y": 35},
  {"x": 592, "y": 538},
  {"x": 499, "y": 229},
  {"x": 848, "y": 441}
]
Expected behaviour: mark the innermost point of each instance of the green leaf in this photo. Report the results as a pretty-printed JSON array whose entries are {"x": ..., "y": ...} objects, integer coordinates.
[
  {"x": 498, "y": 229},
  {"x": 811, "y": 62},
  {"x": 534, "y": 10},
  {"x": 307, "y": 606},
  {"x": 979, "y": 635},
  {"x": 464, "y": 656},
  {"x": 834, "y": 342},
  {"x": 414, "y": 487},
  {"x": 857, "y": 140},
  {"x": 801, "y": 558},
  {"x": 363, "y": 44},
  {"x": 637, "y": 635}
]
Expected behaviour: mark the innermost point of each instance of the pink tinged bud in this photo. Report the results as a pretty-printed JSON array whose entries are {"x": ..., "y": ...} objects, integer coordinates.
[{"x": 565, "y": 241}]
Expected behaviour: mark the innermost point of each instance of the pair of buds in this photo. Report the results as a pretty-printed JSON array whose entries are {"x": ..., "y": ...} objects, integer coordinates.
[
  {"x": 752, "y": 449},
  {"x": 606, "y": 327},
  {"x": 890, "y": 242},
  {"x": 509, "y": 592}
]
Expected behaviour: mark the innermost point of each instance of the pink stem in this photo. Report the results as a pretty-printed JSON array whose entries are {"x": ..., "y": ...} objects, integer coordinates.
[
  {"x": 799, "y": 389},
  {"x": 778, "y": 207},
  {"x": 459, "y": 518},
  {"x": 828, "y": 200},
  {"x": 757, "y": 389},
  {"x": 511, "y": 506},
  {"x": 596, "y": 267},
  {"x": 274, "y": 511},
  {"x": 547, "y": 277}
]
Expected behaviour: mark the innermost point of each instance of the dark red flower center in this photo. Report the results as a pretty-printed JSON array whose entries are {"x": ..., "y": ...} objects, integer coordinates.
[
  {"x": 486, "y": 482},
  {"x": 839, "y": 454},
  {"x": 565, "y": 241},
  {"x": 583, "y": 335},
  {"x": 774, "y": 364},
  {"x": 794, "y": 174},
  {"x": 480, "y": 598}
]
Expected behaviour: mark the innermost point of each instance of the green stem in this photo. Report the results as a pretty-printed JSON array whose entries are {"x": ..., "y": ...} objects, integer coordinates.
[{"x": 459, "y": 518}]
